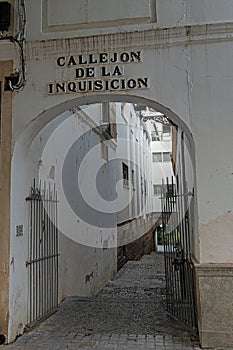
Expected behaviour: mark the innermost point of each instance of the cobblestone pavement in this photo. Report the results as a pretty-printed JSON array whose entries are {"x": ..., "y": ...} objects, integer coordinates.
[{"x": 128, "y": 314}]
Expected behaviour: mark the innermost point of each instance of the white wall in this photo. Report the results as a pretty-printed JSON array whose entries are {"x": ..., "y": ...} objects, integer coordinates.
[
  {"x": 87, "y": 240},
  {"x": 190, "y": 75},
  {"x": 134, "y": 148},
  {"x": 52, "y": 19},
  {"x": 196, "y": 102},
  {"x": 185, "y": 170},
  {"x": 160, "y": 170},
  {"x": 33, "y": 109},
  {"x": 211, "y": 106},
  {"x": 84, "y": 266},
  {"x": 178, "y": 12},
  {"x": 84, "y": 16}
]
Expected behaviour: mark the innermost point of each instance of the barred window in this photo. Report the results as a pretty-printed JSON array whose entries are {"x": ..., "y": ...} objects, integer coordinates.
[
  {"x": 125, "y": 174},
  {"x": 133, "y": 178}
]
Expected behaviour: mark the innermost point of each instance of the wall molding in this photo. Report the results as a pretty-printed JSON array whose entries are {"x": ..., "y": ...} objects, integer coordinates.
[{"x": 147, "y": 39}]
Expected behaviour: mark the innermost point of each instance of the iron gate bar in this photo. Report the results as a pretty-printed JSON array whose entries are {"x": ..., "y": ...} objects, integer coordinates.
[
  {"x": 29, "y": 262},
  {"x": 179, "y": 270},
  {"x": 43, "y": 252}
]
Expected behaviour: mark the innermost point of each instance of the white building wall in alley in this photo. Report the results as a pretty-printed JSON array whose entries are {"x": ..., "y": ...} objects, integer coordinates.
[
  {"x": 84, "y": 267},
  {"x": 87, "y": 247},
  {"x": 161, "y": 152},
  {"x": 160, "y": 170},
  {"x": 136, "y": 157}
]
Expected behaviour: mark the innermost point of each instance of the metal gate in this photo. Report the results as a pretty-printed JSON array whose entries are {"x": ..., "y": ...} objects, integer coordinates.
[
  {"x": 43, "y": 252},
  {"x": 177, "y": 213}
]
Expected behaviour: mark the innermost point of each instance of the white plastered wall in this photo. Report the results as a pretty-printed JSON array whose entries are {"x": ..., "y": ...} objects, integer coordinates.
[
  {"x": 190, "y": 71},
  {"x": 188, "y": 79}
]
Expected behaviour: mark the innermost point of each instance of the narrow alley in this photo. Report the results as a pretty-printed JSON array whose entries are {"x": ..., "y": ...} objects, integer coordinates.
[{"x": 129, "y": 313}]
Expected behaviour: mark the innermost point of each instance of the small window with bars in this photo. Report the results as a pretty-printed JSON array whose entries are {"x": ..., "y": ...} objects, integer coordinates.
[
  {"x": 133, "y": 178},
  {"x": 142, "y": 185},
  {"x": 125, "y": 174}
]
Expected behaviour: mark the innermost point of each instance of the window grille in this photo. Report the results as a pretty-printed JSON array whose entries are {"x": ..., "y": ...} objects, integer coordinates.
[{"x": 125, "y": 174}]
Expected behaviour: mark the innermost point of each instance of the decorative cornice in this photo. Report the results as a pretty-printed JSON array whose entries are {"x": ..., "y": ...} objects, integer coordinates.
[
  {"x": 152, "y": 38},
  {"x": 214, "y": 270}
]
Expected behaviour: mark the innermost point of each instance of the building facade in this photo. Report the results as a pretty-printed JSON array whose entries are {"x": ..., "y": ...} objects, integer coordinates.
[
  {"x": 160, "y": 131},
  {"x": 173, "y": 56}
]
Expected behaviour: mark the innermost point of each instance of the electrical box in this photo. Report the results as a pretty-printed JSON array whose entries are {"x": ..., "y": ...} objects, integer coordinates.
[{"x": 5, "y": 16}]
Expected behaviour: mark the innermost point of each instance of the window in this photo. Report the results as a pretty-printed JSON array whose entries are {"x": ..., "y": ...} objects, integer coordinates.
[
  {"x": 166, "y": 157},
  {"x": 155, "y": 133},
  {"x": 125, "y": 174},
  {"x": 157, "y": 157},
  {"x": 142, "y": 185},
  {"x": 162, "y": 157},
  {"x": 157, "y": 189},
  {"x": 166, "y": 129},
  {"x": 154, "y": 136},
  {"x": 169, "y": 190},
  {"x": 133, "y": 178}
]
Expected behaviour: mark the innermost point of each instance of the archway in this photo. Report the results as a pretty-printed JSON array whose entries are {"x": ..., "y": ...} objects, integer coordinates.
[{"x": 26, "y": 171}]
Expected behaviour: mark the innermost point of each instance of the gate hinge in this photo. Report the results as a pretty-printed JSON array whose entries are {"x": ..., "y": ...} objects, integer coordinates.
[{"x": 28, "y": 262}]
